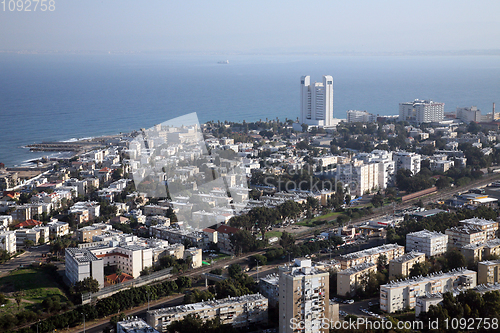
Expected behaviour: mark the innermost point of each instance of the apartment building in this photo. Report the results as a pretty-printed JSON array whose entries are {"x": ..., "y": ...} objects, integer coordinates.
[
  {"x": 402, "y": 294},
  {"x": 360, "y": 177},
  {"x": 86, "y": 210},
  {"x": 349, "y": 280},
  {"x": 130, "y": 259},
  {"x": 177, "y": 235},
  {"x": 82, "y": 263},
  {"x": 421, "y": 111},
  {"x": 195, "y": 254},
  {"x": 355, "y": 116},
  {"x": 408, "y": 161},
  {"x": 488, "y": 272},
  {"x": 8, "y": 241},
  {"x": 316, "y": 101},
  {"x": 23, "y": 235},
  {"x": 402, "y": 266},
  {"x": 429, "y": 242},
  {"x": 465, "y": 235},
  {"x": 304, "y": 297},
  {"x": 86, "y": 234},
  {"x": 269, "y": 287},
  {"x": 224, "y": 233},
  {"x": 58, "y": 228},
  {"x": 490, "y": 226},
  {"x": 134, "y": 325},
  {"x": 237, "y": 311},
  {"x": 390, "y": 251}
]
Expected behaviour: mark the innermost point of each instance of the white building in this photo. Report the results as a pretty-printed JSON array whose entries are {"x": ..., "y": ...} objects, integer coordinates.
[
  {"x": 354, "y": 116},
  {"x": 316, "y": 101},
  {"x": 421, "y": 111},
  {"x": 468, "y": 114},
  {"x": 58, "y": 228},
  {"x": 134, "y": 325},
  {"x": 359, "y": 177},
  {"x": 429, "y": 242},
  {"x": 237, "y": 311},
  {"x": 408, "y": 161},
  {"x": 402, "y": 294},
  {"x": 82, "y": 263},
  {"x": 8, "y": 241}
]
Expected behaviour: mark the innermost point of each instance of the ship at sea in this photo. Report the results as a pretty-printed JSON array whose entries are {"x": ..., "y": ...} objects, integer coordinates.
[{"x": 224, "y": 62}]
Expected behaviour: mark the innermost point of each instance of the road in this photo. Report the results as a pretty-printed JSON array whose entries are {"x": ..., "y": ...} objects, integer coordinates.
[{"x": 31, "y": 255}]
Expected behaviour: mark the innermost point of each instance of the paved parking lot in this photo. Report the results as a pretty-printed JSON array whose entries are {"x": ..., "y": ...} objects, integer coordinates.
[{"x": 355, "y": 308}]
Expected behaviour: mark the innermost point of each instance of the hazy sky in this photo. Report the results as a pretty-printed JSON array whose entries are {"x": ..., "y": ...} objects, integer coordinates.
[{"x": 255, "y": 26}]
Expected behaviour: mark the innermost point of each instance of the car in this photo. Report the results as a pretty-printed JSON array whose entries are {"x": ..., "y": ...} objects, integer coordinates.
[{"x": 350, "y": 301}]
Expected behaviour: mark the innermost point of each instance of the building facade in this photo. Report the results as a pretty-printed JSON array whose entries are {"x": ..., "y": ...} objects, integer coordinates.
[
  {"x": 400, "y": 295},
  {"x": 316, "y": 101},
  {"x": 353, "y": 278},
  {"x": 421, "y": 111},
  {"x": 402, "y": 266},
  {"x": 303, "y": 297},
  {"x": 237, "y": 311},
  {"x": 429, "y": 242},
  {"x": 390, "y": 251}
]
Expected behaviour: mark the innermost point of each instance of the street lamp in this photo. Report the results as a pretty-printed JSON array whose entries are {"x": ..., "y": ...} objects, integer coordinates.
[{"x": 83, "y": 322}]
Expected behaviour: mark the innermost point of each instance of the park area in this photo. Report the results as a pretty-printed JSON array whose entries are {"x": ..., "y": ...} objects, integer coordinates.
[{"x": 26, "y": 289}]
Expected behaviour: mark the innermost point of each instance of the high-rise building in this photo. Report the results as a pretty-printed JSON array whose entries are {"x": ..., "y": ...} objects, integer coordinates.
[
  {"x": 420, "y": 111},
  {"x": 316, "y": 101},
  {"x": 303, "y": 298},
  {"x": 408, "y": 161}
]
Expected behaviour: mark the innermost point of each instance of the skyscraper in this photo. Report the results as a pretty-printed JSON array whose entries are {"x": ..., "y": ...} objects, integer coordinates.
[
  {"x": 303, "y": 298},
  {"x": 316, "y": 101}
]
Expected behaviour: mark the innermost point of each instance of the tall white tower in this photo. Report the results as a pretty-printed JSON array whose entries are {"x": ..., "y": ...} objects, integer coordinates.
[{"x": 316, "y": 101}]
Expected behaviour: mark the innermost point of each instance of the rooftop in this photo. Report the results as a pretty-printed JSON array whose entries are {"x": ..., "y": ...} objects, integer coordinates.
[
  {"x": 216, "y": 303},
  {"x": 357, "y": 268},
  {"x": 409, "y": 256},
  {"x": 426, "y": 234},
  {"x": 427, "y": 278},
  {"x": 478, "y": 221},
  {"x": 372, "y": 251}
]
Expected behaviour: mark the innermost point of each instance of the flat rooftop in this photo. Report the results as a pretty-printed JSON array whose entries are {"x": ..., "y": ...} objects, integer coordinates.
[
  {"x": 427, "y": 278},
  {"x": 426, "y": 234}
]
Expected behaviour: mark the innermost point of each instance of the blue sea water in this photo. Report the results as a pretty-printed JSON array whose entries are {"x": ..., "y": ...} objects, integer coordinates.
[{"x": 59, "y": 97}]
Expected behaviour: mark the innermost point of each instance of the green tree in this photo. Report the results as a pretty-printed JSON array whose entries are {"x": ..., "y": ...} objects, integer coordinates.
[
  {"x": 287, "y": 240},
  {"x": 87, "y": 285}
]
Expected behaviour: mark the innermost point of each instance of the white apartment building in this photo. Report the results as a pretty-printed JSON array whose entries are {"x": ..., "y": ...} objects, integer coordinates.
[
  {"x": 409, "y": 161},
  {"x": 195, "y": 254},
  {"x": 402, "y": 294},
  {"x": 58, "y": 228},
  {"x": 237, "y": 311},
  {"x": 353, "y": 278},
  {"x": 134, "y": 325},
  {"x": 429, "y": 242},
  {"x": 82, "y": 263},
  {"x": 8, "y": 241},
  {"x": 359, "y": 177},
  {"x": 390, "y": 251},
  {"x": 386, "y": 166},
  {"x": 354, "y": 116},
  {"x": 421, "y": 111},
  {"x": 27, "y": 234},
  {"x": 468, "y": 114},
  {"x": 303, "y": 296},
  {"x": 90, "y": 210},
  {"x": 316, "y": 101}
]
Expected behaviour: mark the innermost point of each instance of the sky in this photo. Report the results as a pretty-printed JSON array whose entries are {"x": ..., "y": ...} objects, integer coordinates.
[{"x": 244, "y": 26}]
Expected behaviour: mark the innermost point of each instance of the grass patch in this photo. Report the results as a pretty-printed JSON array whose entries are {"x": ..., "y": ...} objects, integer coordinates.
[
  {"x": 35, "y": 284},
  {"x": 270, "y": 234},
  {"x": 220, "y": 257}
]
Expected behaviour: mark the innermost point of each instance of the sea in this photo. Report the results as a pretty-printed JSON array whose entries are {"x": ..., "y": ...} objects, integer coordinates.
[{"x": 60, "y": 97}]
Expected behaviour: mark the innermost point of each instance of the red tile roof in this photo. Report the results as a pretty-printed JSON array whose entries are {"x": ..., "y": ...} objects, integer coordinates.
[
  {"x": 28, "y": 223},
  {"x": 225, "y": 229},
  {"x": 209, "y": 230}
]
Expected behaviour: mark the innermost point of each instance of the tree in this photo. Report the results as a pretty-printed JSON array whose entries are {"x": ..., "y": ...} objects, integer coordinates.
[
  {"x": 377, "y": 200},
  {"x": 28, "y": 243},
  {"x": 41, "y": 240},
  {"x": 243, "y": 241},
  {"x": 442, "y": 182},
  {"x": 263, "y": 218},
  {"x": 87, "y": 285},
  {"x": 419, "y": 269},
  {"x": 287, "y": 240},
  {"x": 18, "y": 296}
]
